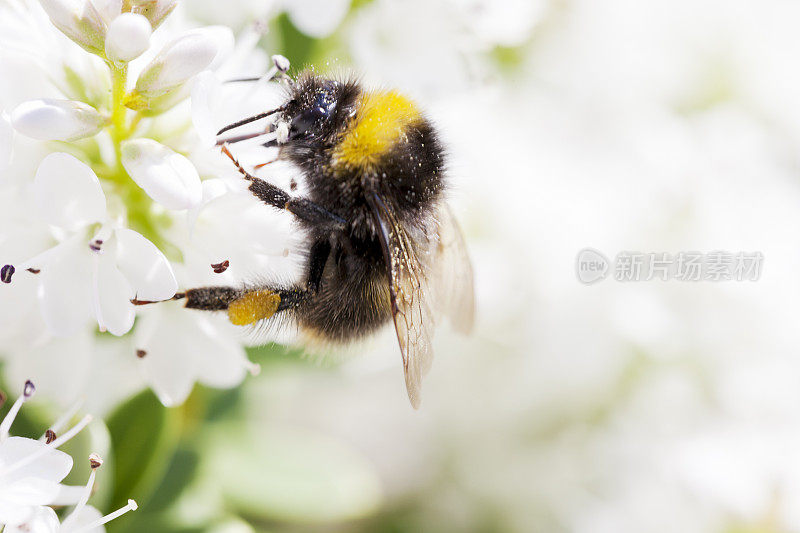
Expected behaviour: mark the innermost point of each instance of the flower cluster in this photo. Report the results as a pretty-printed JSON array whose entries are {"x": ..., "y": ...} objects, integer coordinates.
[
  {"x": 31, "y": 472},
  {"x": 101, "y": 196}
]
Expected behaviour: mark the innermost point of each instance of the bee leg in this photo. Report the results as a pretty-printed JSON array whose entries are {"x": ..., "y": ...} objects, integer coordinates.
[
  {"x": 305, "y": 210},
  {"x": 248, "y": 306}
]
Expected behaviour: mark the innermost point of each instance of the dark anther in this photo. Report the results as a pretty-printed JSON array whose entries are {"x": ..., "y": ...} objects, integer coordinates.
[
  {"x": 29, "y": 389},
  {"x": 49, "y": 436},
  {"x": 3, "y": 398},
  {"x": 33, "y": 270},
  {"x": 95, "y": 461},
  {"x": 95, "y": 245},
  {"x": 140, "y": 354},
  {"x": 293, "y": 185},
  {"x": 6, "y": 272},
  {"x": 219, "y": 268}
]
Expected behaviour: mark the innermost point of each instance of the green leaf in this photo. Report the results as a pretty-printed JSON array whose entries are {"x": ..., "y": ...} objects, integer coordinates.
[
  {"x": 289, "y": 475},
  {"x": 144, "y": 436}
]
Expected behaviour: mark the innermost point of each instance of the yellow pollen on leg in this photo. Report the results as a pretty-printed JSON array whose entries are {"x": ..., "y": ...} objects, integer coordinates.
[{"x": 252, "y": 307}]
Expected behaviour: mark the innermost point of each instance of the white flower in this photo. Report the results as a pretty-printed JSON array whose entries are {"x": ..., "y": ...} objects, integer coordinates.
[
  {"x": 82, "y": 277},
  {"x": 80, "y": 235},
  {"x": 31, "y": 470},
  {"x": 128, "y": 37},
  {"x": 57, "y": 120},
  {"x": 30, "y": 475},
  {"x": 166, "y": 176}
]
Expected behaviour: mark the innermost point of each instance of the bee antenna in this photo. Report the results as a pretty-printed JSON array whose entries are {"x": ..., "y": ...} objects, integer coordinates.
[{"x": 248, "y": 120}]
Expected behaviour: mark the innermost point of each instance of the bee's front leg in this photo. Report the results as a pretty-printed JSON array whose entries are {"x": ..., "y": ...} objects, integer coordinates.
[{"x": 312, "y": 214}]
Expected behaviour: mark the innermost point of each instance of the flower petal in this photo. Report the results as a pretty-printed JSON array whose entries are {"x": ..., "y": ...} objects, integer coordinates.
[
  {"x": 49, "y": 119},
  {"x": 166, "y": 176},
  {"x": 68, "y": 193},
  {"x": 65, "y": 377},
  {"x": 80, "y": 519},
  {"x": 205, "y": 95},
  {"x": 113, "y": 295},
  {"x": 65, "y": 290},
  {"x": 108, "y": 9},
  {"x": 6, "y": 141},
  {"x": 79, "y": 20},
  {"x": 144, "y": 266},
  {"x": 177, "y": 62},
  {"x": 128, "y": 37},
  {"x": 183, "y": 347},
  {"x": 38, "y": 519},
  {"x": 54, "y": 465},
  {"x": 155, "y": 10}
]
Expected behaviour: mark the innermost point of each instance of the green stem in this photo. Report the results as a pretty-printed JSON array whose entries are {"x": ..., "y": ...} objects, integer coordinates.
[{"x": 119, "y": 130}]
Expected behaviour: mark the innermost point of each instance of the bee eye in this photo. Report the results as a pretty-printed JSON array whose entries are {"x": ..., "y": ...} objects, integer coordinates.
[{"x": 306, "y": 120}]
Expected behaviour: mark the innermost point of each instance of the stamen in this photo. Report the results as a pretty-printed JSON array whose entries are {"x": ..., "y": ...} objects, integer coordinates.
[
  {"x": 28, "y": 459},
  {"x": 3, "y": 398},
  {"x": 102, "y": 235},
  {"x": 141, "y": 354},
  {"x": 280, "y": 62},
  {"x": 95, "y": 462},
  {"x": 62, "y": 420},
  {"x": 33, "y": 270},
  {"x": 132, "y": 506},
  {"x": 49, "y": 436},
  {"x": 5, "y": 426},
  {"x": 221, "y": 267},
  {"x": 6, "y": 272}
]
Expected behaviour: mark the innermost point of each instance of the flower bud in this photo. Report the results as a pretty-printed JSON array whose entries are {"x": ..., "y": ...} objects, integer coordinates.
[
  {"x": 177, "y": 62},
  {"x": 127, "y": 37},
  {"x": 79, "y": 20},
  {"x": 166, "y": 176},
  {"x": 57, "y": 120},
  {"x": 154, "y": 10}
]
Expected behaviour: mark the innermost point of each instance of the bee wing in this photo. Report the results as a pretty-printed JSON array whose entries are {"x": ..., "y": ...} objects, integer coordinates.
[
  {"x": 411, "y": 310},
  {"x": 455, "y": 294}
]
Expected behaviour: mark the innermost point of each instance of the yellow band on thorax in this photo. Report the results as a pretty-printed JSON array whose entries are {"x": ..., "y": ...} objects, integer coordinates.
[{"x": 381, "y": 121}]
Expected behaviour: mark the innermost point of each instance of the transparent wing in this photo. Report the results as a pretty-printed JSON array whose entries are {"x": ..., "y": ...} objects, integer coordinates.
[
  {"x": 411, "y": 310},
  {"x": 452, "y": 273}
]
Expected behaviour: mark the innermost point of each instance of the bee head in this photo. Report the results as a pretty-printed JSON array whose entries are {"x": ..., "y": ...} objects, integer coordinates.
[{"x": 318, "y": 108}]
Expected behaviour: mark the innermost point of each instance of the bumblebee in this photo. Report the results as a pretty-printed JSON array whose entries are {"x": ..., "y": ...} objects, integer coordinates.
[{"x": 383, "y": 243}]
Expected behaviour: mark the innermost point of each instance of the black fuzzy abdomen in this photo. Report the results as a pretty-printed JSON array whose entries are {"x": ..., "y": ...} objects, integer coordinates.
[{"x": 353, "y": 299}]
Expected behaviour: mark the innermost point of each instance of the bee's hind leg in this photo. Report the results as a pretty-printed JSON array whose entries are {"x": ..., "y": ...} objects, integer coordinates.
[
  {"x": 248, "y": 306},
  {"x": 243, "y": 306}
]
